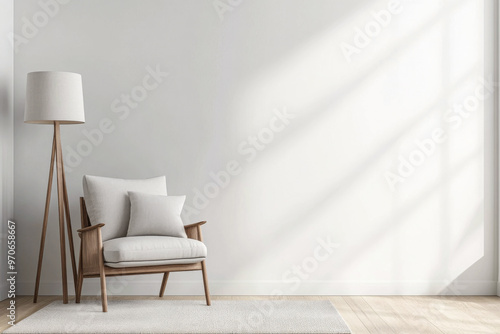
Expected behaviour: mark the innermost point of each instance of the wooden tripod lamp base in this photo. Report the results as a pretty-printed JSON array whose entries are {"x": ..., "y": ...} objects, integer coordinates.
[
  {"x": 63, "y": 204},
  {"x": 55, "y": 98}
]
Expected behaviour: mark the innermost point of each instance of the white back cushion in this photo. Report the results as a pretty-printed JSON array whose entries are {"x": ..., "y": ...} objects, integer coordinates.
[
  {"x": 107, "y": 201},
  {"x": 155, "y": 215}
]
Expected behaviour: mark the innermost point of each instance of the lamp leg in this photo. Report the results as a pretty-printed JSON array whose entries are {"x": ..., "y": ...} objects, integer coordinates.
[
  {"x": 70, "y": 231},
  {"x": 60, "y": 200},
  {"x": 45, "y": 219}
]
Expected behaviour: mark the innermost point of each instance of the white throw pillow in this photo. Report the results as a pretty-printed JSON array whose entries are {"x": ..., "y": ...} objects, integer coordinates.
[
  {"x": 156, "y": 215},
  {"x": 107, "y": 201}
]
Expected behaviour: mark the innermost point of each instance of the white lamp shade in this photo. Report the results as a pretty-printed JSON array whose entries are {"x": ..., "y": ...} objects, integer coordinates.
[{"x": 54, "y": 96}]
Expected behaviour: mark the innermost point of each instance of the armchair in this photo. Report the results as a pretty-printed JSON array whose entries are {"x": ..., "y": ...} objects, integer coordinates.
[{"x": 137, "y": 255}]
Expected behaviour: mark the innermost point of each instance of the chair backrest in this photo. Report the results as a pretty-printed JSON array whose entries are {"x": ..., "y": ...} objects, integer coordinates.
[
  {"x": 83, "y": 213},
  {"x": 107, "y": 201}
]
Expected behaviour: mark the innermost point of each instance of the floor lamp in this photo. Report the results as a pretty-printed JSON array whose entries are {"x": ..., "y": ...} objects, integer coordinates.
[{"x": 55, "y": 98}]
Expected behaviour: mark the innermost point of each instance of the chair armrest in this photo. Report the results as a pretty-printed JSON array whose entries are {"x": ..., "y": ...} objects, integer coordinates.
[
  {"x": 89, "y": 228},
  {"x": 193, "y": 231},
  {"x": 91, "y": 249},
  {"x": 195, "y": 224}
]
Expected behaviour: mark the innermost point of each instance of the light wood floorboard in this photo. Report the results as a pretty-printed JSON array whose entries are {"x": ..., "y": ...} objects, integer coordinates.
[{"x": 363, "y": 314}]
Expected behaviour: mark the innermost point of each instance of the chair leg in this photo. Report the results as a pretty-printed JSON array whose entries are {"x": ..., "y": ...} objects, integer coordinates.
[
  {"x": 104, "y": 296},
  {"x": 102, "y": 273},
  {"x": 79, "y": 281},
  {"x": 205, "y": 282},
  {"x": 164, "y": 283},
  {"x": 79, "y": 285}
]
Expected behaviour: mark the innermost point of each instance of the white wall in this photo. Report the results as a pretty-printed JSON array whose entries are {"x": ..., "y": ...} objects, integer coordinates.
[
  {"x": 496, "y": 34},
  {"x": 322, "y": 176},
  {"x": 6, "y": 133}
]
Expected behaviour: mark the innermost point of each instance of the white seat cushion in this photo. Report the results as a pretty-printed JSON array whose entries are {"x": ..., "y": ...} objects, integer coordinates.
[
  {"x": 152, "y": 249},
  {"x": 152, "y": 263}
]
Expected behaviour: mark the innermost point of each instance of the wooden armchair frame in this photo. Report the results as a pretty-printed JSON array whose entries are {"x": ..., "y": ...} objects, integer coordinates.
[{"x": 91, "y": 264}]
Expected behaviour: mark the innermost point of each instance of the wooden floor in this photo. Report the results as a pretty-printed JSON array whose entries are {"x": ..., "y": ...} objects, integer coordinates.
[{"x": 373, "y": 314}]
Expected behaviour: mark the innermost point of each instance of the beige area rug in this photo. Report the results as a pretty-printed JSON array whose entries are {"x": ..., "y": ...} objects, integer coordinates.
[{"x": 179, "y": 316}]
